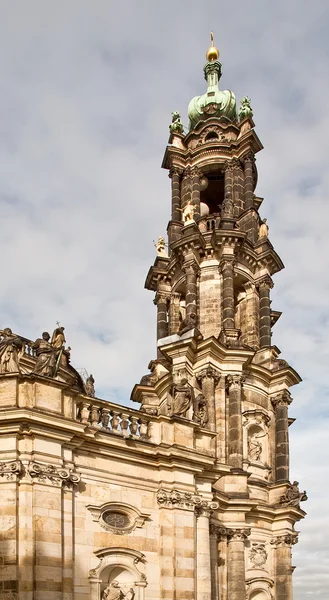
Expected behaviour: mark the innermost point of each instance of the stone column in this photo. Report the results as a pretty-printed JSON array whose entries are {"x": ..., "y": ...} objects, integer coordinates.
[
  {"x": 228, "y": 294},
  {"x": 161, "y": 301},
  {"x": 196, "y": 176},
  {"x": 175, "y": 175},
  {"x": 265, "y": 312},
  {"x": 238, "y": 186},
  {"x": 228, "y": 181},
  {"x": 203, "y": 569},
  {"x": 283, "y": 570},
  {"x": 191, "y": 270},
  {"x": 174, "y": 311},
  {"x": 251, "y": 332},
  {"x": 249, "y": 160},
  {"x": 208, "y": 379},
  {"x": 217, "y": 533},
  {"x": 235, "y": 435},
  {"x": 280, "y": 403},
  {"x": 186, "y": 190},
  {"x": 236, "y": 573}
]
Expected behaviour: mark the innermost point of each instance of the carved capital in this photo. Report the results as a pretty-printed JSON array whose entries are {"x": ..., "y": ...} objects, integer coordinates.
[
  {"x": 235, "y": 382},
  {"x": 227, "y": 263},
  {"x": 209, "y": 373},
  {"x": 217, "y": 531},
  {"x": 53, "y": 475},
  {"x": 191, "y": 267},
  {"x": 281, "y": 399},
  {"x": 195, "y": 172},
  {"x": 258, "y": 555},
  {"x": 204, "y": 508},
  {"x": 236, "y": 163},
  {"x": 175, "y": 171},
  {"x": 187, "y": 173},
  {"x": 161, "y": 298},
  {"x": 228, "y": 166},
  {"x": 249, "y": 157},
  {"x": 265, "y": 283},
  {"x": 289, "y": 539},
  {"x": 238, "y": 535},
  {"x": 10, "y": 470}
]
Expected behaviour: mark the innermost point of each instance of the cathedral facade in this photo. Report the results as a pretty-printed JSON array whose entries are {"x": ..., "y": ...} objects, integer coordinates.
[{"x": 189, "y": 496}]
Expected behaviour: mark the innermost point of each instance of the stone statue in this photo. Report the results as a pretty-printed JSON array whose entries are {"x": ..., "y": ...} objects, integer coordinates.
[
  {"x": 114, "y": 592},
  {"x": 188, "y": 212},
  {"x": 187, "y": 324},
  {"x": 90, "y": 387},
  {"x": 58, "y": 338},
  {"x": 176, "y": 125},
  {"x": 263, "y": 229},
  {"x": 245, "y": 111},
  {"x": 161, "y": 246},
  {"x": 46, "y": 356},
  {"x": 180, "y": 398},
  {"x": 254, "y": 447},
  {"x": 293, "y": 496},
  {"x": 11, "y": 350},
  {"x": 227, "y": 206},
  {"x": 201, "y": 410}
]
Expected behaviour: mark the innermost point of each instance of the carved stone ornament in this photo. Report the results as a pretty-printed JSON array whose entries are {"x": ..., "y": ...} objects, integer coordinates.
[
  {"x": 258, "y": 555},
  {"x": 53, "y": 474},
  {"x": 176, "y": 125},
  {"x": 282, "y": 399},
  {"x": 9, "y": 470},
  {"x": 11, "y": 351},
  {"x": 208, "y": 373},
  {"x": 217, "y": 530},
  {"x": 187, "y": 500},
  {"x": 90, "y": 386},
  {"x": 238, "y": 535},
  {"x": 117, "y": 517},
  {"x": 289, "y": 539},
  {"x": 200, "y": 414},
  {"x": 292, "y": 495},
  {"x": 235, "y": 381}
]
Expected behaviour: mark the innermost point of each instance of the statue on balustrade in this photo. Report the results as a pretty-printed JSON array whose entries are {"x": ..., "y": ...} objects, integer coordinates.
[
  {"x": 180, "y": 398},
  {"x": 187, "y": 324},
  {"x": 292, "y": 496},
  {"x": 161, "y": 246},
  {"x": 90, "y": 386},
  {"x": 114, "y": 592},
  {"x": 227, "y": 206},
  {"x": 58, "y": 338},
  {"x": 201, "y": 410},
  {"x": 46, "y": 356},
  {"x": 11, "y": 350},
  {"x": 176, "y": 125}
]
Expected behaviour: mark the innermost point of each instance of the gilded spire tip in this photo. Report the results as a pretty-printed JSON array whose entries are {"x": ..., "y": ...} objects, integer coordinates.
[{"x": 212, "y": 52}]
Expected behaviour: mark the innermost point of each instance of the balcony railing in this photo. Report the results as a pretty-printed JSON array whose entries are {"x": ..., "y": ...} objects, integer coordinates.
[{"x": 113, "y": 419}]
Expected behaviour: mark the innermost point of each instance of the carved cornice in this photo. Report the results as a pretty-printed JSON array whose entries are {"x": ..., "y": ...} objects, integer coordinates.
[
  {"x": 187, "y": 500},
  {"x": 289, "y": 539},
  {"x": 238, "y": 535},
  {"x": 10, "y": 470},
  {"x": 53, "y": 475},
  {"x": 209, "y": 373},
  {"x": 281, "y": 399}
]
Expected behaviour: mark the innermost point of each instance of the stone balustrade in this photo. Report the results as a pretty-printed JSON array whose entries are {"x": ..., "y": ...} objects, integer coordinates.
[{"x": 114, "y": 419}]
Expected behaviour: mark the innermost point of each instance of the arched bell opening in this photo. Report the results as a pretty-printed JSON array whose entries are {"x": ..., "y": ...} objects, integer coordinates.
[{"x": 212, "y": 192}]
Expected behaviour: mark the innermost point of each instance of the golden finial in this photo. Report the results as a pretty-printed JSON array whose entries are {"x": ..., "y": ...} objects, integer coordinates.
[{"x": 212, "y": 52}]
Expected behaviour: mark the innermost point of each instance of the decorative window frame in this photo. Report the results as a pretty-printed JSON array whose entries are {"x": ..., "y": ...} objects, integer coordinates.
[
  {"x": 135, "y": 516},
  {"x": 118, "y": 557}
]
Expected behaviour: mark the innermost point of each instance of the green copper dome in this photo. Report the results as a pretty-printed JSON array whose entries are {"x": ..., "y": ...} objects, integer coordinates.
[{"x": 214, "y": 103}]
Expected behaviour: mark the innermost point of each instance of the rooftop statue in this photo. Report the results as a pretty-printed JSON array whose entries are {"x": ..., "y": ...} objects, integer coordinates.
[
  {"x": 214, "y": 102},
  {"x": 176, "y": 126},
  {"x": 188, "y": 212},
  {"x": 293, "y": 496},
  {"x": 46, "y": 356},
  {"x": 161, "y": 246},
  {"x": 11, "y": 350},
  {"x": 245, "y": 111},
  {"x": 263, "y": 229},
  {"x": 90, "y": 386}
]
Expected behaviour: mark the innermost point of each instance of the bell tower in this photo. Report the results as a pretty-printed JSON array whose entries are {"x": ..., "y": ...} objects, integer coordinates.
[{"x": 215, "y": 364}]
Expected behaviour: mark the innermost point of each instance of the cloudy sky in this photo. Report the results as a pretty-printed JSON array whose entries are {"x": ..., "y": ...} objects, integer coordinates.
[{"x": 87, "y": 89}]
